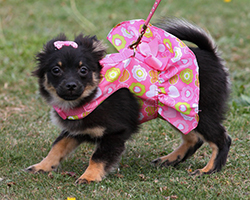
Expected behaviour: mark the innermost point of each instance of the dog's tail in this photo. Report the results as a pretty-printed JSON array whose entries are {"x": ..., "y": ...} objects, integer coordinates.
[{"x": 184, "y": 30}]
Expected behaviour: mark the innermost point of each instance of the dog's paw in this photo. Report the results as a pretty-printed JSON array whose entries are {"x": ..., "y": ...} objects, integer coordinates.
[
  {"x": 94, "y": 173},
  {"x": 201, "y": 172},
  {"x": 165, "y": 162},
  {"x": 40, "y": 168},
  {"x": 196, "y": 172},
  {"x": 33, "y": 170},
  {"x": 156, "y": 161},
  {"x": 88, "y": 178},
  {"x": 82, "y": 181}
]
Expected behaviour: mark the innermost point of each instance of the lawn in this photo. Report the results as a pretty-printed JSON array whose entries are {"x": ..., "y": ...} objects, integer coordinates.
[{"x": 26, "y": 133}]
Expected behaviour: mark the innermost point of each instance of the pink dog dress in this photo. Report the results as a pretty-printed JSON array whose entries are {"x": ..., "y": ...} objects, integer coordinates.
[{"x": 162, "y": 73}]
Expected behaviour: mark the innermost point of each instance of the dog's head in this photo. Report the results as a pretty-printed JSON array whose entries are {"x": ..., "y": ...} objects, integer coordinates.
[{"x": 69, "y": 73}]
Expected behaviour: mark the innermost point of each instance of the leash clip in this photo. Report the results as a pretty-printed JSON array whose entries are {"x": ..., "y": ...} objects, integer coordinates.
[
  {"x": 145, "y": 26},
  {"x": 138, "y": 41}
]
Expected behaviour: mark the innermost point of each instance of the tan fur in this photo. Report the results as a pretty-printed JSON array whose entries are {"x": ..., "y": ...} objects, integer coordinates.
[
  {"x": 60, "y": 63},
  {"x": 91, "y": 87},
  {"x": 94, "y": 132},
  {"x": 57, "y": 153},
  {"x": 94, "y": 172},
  {"x": 99, "y": 46},
  {"x": 210, "y": 165},
  {"x": 188, "y": 141},
  {"x": 67, "y": 105}
]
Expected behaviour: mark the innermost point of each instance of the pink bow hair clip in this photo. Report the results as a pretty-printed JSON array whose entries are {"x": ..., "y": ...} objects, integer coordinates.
[{"x": 60, "y": 44}]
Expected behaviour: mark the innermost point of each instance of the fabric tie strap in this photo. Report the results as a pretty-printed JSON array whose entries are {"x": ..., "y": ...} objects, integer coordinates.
[{"x": 150, "y": 50}]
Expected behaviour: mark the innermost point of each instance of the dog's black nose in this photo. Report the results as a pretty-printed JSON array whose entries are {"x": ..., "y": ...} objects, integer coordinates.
[{"x": 71, "y": 86}]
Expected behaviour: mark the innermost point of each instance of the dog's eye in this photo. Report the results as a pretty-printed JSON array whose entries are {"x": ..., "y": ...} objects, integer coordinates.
[
  {"x": 83, "y": 71},
  {"x": 56, "y": 71}
]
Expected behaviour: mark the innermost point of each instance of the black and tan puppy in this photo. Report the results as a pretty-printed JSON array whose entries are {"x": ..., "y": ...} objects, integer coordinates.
[{"x": 69, "y": 77}]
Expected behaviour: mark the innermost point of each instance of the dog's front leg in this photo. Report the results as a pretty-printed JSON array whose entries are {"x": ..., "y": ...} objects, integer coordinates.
[
  {"x": 62, "y": 146},
  {"x": 107, "y": 154}
]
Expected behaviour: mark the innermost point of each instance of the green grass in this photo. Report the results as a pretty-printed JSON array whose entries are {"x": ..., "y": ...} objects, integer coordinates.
[{"x": 26, "y": 133}]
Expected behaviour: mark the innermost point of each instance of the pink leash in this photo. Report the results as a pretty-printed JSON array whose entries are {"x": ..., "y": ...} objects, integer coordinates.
[{"x": 145, "y": 25}]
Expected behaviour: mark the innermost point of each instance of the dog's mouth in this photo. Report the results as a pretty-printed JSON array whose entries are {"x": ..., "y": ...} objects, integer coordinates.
[{"x": 69, "y": 95}]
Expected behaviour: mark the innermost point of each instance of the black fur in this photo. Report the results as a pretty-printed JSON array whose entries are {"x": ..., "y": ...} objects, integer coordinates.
[
  {"x": 214, "y": 85},
  {"x": 70, "y": 57},
  {"x": 118, "y": 127},
  {"x": 117, "y": 116}
]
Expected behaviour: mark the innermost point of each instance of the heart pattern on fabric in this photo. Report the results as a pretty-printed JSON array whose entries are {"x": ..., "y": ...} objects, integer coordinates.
[
  {"x": 173, "y": 92},
  {"x": 152, "y": 91},
  {"x": 118, "y": 42}
]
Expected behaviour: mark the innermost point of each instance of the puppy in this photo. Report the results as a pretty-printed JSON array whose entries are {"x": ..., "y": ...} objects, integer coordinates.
[{"x": 69, "y": 75}]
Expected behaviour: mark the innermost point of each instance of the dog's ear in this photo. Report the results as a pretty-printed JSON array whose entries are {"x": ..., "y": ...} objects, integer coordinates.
[
  {"x": 42, "y": 56},
  {"x": 93, "y": 45}
]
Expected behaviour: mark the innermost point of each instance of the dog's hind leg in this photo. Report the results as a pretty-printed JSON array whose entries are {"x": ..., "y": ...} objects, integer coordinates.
[
  {"x": 62, "y": 146},
  {"x": 220, "y": 142},
  {"x": 190, "y": 143}
]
